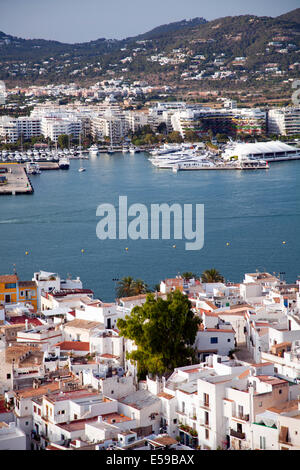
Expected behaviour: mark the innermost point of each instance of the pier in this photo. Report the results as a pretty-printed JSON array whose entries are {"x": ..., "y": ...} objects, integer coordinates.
[{"x": 14, "y": 180}]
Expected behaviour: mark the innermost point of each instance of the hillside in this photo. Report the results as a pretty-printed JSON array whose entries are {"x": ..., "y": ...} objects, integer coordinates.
[{"x": 187, "y": 49}]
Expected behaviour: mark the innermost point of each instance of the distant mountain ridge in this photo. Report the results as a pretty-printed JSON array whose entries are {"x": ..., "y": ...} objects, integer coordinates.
[{"x": 246, "y": 36}]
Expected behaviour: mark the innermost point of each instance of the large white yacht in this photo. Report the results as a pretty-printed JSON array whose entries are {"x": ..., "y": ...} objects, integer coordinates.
[{"x": 93, "y": 150}]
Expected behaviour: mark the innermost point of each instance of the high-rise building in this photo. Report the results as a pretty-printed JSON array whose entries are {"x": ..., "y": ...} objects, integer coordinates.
[
  {"x": 284, "y": 121},
  {"x": 2, "y": 93}
]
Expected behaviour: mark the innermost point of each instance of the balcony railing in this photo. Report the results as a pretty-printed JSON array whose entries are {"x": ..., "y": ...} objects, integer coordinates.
[
  {"x": 204, "y": 404},
  {"x": 238, "y": 434},
  {"x": 241, "y": 416}
]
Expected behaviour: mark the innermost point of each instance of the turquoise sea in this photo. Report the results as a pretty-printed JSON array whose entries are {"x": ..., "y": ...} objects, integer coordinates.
[{"x": 253, "y": 211}]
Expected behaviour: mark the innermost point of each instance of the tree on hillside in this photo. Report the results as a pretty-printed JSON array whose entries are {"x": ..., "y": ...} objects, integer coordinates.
[
  {"x": 164, "y": 332},
  {"x": 211, "y": 275}
]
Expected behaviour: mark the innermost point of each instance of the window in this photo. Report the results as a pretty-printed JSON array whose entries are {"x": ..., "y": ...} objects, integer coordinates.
[
  {"x": 206, "y": 434},
  {"x": 280, "y": 391},
  {"x": 11, "y": 285},
  {"x": 213, "y": 340},
  {"x": 206, "y": 399},
  {"x": 228, "y": 340},
  {"x": 260, "y": 403},
  {"x": 206, "y": 418},
  {"x": 8, "y": 376},
  {"x": 26, "y": 423},
  {"x": 174, "y": 421},
  {"x": 183, "y": 407},
  {"x": 22, "y": 293},
  {"x": 262, "y": 442}
]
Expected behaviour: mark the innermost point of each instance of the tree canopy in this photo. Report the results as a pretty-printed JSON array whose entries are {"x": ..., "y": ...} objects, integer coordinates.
[
  {"x": 127, "y": 287},
  {"x": 189, "y": 275},
  {"x": 211, "y": 275},
  {"x": 164, "y": 332}
]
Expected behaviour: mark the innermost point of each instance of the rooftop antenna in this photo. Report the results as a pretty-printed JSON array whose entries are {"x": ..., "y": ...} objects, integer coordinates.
[{"x": 14, "y": 269}]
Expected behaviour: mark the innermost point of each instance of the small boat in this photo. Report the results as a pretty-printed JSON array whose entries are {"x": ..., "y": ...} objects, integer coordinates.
[{"x": 81, "y": 169}]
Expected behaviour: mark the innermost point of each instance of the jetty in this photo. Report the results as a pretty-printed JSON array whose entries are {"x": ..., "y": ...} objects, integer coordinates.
[{"x": 14, "y": 179}]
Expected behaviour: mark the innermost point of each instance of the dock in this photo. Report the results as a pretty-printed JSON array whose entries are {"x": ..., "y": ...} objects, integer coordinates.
[
  {"x": 14, "y": 180},
  {"x": 48, "y": 166}
]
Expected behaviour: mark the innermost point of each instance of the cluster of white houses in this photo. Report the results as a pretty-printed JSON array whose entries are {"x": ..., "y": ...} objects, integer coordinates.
[{"x": 65, "y": 381}]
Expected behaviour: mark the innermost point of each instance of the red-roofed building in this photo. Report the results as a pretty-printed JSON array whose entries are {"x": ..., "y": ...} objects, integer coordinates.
[{"x": 78, "y": 348}]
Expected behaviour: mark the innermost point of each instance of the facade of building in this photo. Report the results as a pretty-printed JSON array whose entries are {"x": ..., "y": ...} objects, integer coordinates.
[{"x": 284, "y": 121}]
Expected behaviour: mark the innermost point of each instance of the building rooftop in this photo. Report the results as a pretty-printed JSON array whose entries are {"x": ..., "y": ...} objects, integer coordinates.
[
  {"x": 74, "y": 346},
  {"x": 83, "y": 324},
  {"x": 140, "y": 399},
  {"x": 8, "y": 278}
]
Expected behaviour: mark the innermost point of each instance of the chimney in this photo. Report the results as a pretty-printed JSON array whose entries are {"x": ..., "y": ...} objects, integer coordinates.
[
  {"x": 100, "y": 419},
  {"x": 26, "y": 325}
]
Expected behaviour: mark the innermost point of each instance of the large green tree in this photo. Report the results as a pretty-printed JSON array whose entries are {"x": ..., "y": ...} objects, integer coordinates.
[
  {"x": 63, "y": 141},
  {"x": 164, "y": 332}
]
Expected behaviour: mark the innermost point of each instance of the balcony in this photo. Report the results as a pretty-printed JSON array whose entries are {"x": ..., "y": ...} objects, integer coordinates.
[
  {"x": 204, "y": 404},
  {"x": 241, "y": 416},
  {"x": 237, "y": 434}
]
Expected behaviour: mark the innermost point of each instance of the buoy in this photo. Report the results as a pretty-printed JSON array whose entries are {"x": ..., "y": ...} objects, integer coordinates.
[
  {"x": 26, "y": 253},
  {"x": 283, "y": 243},
  {"x": 82, "y": 251},
  {"x": 227, "y": 243},
  {"x": 174, "y": 246},
  {"x": 126, "y": 249}
]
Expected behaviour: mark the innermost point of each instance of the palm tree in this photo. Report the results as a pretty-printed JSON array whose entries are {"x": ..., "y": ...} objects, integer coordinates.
[
  {"x": 125, "y": 287},
  {"x": 211, "y": 275},
  {"x": 140, "y": 287},
  {"x": 189, "y": 275}
]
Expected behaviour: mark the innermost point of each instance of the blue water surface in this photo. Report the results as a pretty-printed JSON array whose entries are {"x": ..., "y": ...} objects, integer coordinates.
[{"x": 253, "y": 211}]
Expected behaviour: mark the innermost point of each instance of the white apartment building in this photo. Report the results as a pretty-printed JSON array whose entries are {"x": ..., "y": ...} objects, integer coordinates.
[
  {"x": 52, "y": 127},
  {"x": 8, "y": 129},
  {"x": 284, "y": 121},
  {"x": 111, "y": 126},
  {"x": 135, "y": 120},
  {"x": 11, "y": 129},
  {"x": 2, "y": 93}
]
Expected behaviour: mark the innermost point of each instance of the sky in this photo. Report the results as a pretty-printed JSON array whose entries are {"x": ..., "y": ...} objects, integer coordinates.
[{"x": 85, "y": 20}]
